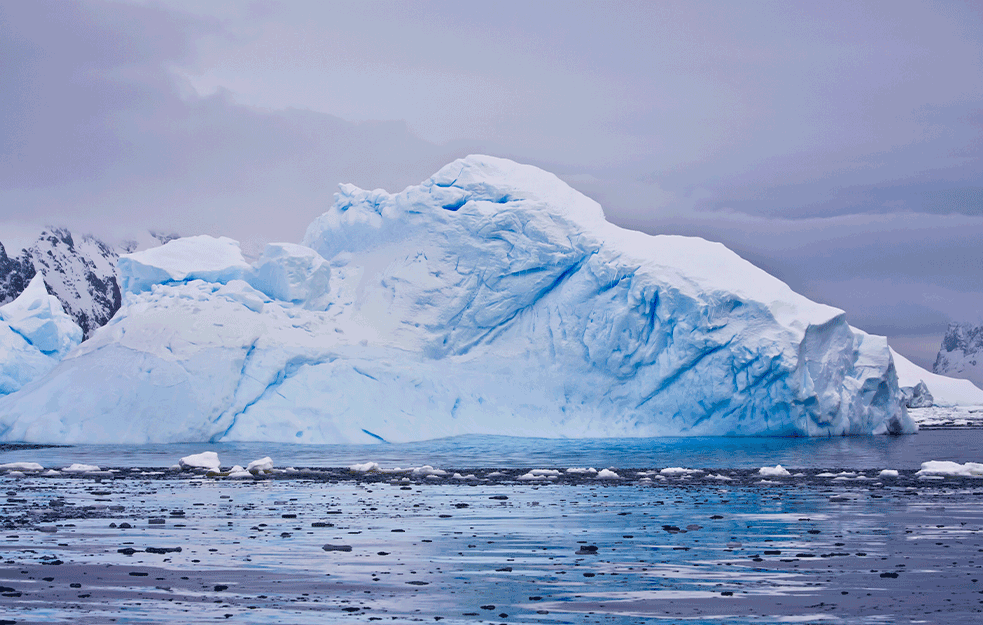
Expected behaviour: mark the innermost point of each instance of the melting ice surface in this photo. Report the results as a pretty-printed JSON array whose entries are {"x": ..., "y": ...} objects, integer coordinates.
[{"x": 490, "y": 299}]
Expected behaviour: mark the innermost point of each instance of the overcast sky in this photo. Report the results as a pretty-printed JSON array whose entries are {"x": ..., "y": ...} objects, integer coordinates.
[{"x": 836, "y": 145}]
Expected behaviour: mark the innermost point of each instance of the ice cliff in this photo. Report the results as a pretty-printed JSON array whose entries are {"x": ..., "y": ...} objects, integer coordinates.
[
  {"x": 492, "y": 298},
  {"x": 35, "y": 333}
]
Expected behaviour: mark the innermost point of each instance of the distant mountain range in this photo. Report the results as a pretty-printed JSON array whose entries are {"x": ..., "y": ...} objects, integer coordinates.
[
  {"x": 79, "y": 270},
  {"x": 961, "y": 355}
]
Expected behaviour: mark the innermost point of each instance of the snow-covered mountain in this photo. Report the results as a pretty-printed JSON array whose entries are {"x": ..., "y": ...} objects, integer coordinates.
[
  {"x": 79, "y": 270},
  {"x": 943, "y": 390},
  {"x": 490, "y": 299},
  {"x": 961, "y": 354}
]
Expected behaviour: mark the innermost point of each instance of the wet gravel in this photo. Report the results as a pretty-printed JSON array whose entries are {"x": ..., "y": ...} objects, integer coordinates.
[{"x": 329, "y": 545}]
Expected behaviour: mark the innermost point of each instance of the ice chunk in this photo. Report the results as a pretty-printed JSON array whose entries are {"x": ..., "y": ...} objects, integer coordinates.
[
  {"x": 428, "y": 471},
  {"x": 775, "y": 471},
  {"x": 80, "y": 468},
  {"x": 888, "y": 473},
  {"x": 189, "y": 258},
  {"x": 260, "y": 466},
  {"x": 204, "y": 460},
  {"x": 580, "y": 470},
  {"x": 365, "y": 467},
  {"x": 21, "y": 466},
  {"x": 679, "y": 471},
  {"x": 607, "y": 474},
  {"x": 945, "y": 467}
]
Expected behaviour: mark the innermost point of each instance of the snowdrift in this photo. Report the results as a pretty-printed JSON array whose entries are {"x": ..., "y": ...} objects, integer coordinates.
[{"x": 491, "y": 299}]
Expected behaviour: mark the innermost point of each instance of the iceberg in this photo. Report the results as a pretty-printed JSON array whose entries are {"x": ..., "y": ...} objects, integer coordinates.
[
  {"x": 490, "y": 299},
  {"x": 35, "y": 334}
]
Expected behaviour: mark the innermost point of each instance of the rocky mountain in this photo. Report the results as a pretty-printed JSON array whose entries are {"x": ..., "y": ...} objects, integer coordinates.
[
  {"x": 78, "y": 270},
  {"x": 961, "y": 354}
]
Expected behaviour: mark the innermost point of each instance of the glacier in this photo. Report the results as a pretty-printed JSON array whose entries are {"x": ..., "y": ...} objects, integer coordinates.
[
  {"x": 35, "y": 334},
  {"x": 490, "y": 299}
]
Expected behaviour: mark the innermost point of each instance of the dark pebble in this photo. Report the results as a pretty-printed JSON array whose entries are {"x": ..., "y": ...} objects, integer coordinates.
[{"x": 220, "y": 587}]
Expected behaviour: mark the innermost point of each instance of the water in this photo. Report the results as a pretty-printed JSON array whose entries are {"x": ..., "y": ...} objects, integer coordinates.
[
  {"x": 862, "y": 452},
  {"x": 817, "y": 547}
]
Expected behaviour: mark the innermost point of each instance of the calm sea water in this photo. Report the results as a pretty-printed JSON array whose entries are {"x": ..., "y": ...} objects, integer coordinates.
[{"x": 865, "y": 452}]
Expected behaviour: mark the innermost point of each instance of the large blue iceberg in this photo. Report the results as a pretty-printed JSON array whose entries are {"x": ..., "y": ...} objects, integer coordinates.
[{"x": 491, "y": 299}]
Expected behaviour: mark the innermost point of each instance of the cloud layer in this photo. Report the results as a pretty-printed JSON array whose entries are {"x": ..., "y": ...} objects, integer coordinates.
[{"x": 837, "y": 146}]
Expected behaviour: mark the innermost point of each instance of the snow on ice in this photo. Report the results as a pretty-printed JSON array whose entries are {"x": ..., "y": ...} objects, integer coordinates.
[{"x": 491, "y": 299}]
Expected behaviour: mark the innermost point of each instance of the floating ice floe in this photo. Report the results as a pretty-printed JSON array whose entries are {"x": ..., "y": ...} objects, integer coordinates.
[
  {"x": 427, "y": 471},
  {"x": 81, "y": 468},
  {"x": 540, "y": 474},
  {"x": 21, "y": 466},
  {"x": 204, "y": 460},
  {"x": 775, "y": 471},
  {"x": 945, "y": 467},
  {"x": 238, "y": 473},
  {"x": 671, "y": 471},
  {"x": 263, "y": 465}
]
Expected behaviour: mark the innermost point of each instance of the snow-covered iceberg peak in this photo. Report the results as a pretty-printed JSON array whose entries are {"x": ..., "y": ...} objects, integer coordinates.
[
  {"x": 35, "y": 333},
  {"x": 190, "y": 258},
  {"x": 40, "y": 319},
  {"x": 490, "y": 299}
]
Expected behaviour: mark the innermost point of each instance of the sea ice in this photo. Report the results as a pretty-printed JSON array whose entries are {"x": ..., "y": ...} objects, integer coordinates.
[{"x": 490, "y": 299}]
